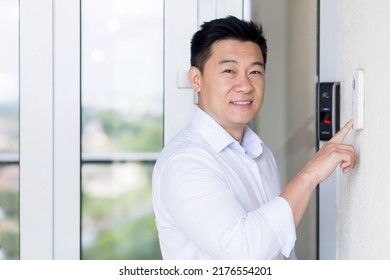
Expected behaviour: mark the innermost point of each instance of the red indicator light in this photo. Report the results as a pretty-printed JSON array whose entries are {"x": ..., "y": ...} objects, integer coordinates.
[{"x": 327, "y": 121}]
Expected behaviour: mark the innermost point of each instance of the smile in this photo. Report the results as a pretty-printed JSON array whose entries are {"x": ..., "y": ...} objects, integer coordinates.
[{"x": 241, "y": 102}]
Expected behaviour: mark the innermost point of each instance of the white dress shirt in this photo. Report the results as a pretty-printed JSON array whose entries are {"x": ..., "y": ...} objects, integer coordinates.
[{"x": 215, "y": 198}]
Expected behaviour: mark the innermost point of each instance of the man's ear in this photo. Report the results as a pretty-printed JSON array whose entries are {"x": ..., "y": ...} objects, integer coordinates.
[{"x": 194, "y": 77}]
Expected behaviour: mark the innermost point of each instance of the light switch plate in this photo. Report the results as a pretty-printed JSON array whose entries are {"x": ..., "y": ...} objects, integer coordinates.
[{"x": 358, "y": 99}]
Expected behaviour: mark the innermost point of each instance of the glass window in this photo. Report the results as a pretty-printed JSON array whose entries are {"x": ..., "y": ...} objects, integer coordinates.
[
  {"x": 122, "y": 126},
  {"x": 9, "y": 129}
]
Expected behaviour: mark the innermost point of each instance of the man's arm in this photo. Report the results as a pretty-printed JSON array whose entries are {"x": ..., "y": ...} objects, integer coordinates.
[{"x": 299, "y": 190}]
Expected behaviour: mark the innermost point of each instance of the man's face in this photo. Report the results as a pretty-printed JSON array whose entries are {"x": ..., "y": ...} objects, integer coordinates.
[{"x": 231, "y": 87}]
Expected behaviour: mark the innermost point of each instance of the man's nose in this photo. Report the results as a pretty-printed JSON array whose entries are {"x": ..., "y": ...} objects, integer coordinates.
[{"x": 243, "y": 84}]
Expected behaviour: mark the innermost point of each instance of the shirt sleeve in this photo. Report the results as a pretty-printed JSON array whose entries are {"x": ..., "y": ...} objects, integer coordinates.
[
  {"x": 200, "y": 203},
  {"x": 280, "y": 216}
]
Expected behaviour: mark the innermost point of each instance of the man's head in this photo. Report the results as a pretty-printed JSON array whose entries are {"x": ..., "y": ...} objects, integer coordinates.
[
  {"x": 227, "y": 72},
  {"x": 223, "y": 29}
]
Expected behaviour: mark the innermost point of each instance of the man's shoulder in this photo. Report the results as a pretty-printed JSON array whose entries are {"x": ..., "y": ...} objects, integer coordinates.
[
  {"x": 188, "y": 139},
  {"x": 187, "y": 143}
]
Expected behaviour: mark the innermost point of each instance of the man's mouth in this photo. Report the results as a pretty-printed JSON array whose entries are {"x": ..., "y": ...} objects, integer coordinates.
[{"x": 241, "y": 102}]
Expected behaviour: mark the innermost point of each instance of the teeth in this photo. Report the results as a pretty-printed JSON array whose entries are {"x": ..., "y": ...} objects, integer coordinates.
[{"x": 241, "y": 102}]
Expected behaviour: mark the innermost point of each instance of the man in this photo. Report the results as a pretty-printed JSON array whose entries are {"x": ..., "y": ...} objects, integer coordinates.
[{"x": 216, "y": 191}]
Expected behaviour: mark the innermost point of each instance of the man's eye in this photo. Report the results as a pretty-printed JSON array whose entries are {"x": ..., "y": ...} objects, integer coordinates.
[
  {"x": 229, "y": 71},
  {"x": 256, "y": 72}
]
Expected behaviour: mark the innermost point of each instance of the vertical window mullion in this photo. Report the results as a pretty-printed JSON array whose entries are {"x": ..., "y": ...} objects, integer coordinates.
[
  {"x": 36, "y": 130},
  {"x": 66, "y": 141}
]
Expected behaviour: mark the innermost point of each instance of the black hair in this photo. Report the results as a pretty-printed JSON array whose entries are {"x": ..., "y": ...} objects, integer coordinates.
[{"x": 223, "y": 29}]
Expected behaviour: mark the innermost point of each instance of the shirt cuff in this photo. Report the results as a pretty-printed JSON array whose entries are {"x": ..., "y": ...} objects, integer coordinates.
[{"x": 280, "y": 216}]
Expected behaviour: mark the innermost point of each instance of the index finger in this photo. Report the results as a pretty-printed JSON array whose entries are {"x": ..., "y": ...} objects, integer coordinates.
[{"x": 340, "y": 135}]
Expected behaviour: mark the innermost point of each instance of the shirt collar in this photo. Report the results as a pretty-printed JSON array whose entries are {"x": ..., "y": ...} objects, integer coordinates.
[
  {"x": 252, "y": 143},
  {"x": 218, "y": 138}
]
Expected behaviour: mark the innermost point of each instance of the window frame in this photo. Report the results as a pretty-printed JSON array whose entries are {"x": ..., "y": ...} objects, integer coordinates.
[{"x": 49, "y": 129}]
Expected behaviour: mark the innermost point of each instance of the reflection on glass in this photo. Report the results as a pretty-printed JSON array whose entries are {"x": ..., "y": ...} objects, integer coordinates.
[
  {"x": 122, "y": 76},
  {"x": 122, "y": 117},
  {"x": 118, "y": 221},
  {"x": 9, "y": 129}
]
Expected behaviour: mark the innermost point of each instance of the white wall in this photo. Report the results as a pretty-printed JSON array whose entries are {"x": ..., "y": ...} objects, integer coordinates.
[
  {"x": 364, "y": 194},
  {"x": 287, "y": 120}
]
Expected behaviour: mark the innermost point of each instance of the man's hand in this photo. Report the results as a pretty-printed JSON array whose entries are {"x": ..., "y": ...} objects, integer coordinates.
[
  {"x": 332, "y": 154},
  {"x": 299, "y": 190}
]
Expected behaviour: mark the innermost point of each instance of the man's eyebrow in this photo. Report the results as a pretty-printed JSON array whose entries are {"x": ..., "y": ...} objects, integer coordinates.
[
  {"x": 259, "y": 63},
  {"x": 228, "y": 61}
]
